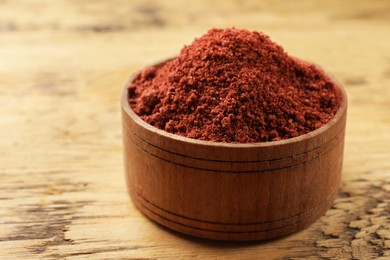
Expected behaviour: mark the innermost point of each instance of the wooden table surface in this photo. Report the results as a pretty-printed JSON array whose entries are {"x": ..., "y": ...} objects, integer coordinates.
[{"x": 62, "y": 66}]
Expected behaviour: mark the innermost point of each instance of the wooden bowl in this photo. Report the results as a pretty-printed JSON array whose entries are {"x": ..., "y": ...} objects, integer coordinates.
[{"x": 230, "y": 191}]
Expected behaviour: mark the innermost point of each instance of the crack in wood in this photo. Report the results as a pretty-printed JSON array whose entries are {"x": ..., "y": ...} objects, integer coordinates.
[
  {"x": 356, "y": 227},
  {"x": 352, "y": 228},
  {"x": 46, "y": 222},
  {"x": 101, "y": 250}
]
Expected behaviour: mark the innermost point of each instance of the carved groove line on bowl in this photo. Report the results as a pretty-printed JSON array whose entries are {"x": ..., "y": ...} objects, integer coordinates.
[
  {"x": 308, "y": 214},
  {"x": 145, "y": 202},
  {"x": 316, "y": 154}
]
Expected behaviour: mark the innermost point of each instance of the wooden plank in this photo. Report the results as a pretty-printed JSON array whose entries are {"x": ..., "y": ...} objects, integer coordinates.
[{"x": 62, "y": 66}]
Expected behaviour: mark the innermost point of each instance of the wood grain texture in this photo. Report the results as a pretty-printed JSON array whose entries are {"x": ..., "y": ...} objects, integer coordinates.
[{"x": 62, "y": 66}]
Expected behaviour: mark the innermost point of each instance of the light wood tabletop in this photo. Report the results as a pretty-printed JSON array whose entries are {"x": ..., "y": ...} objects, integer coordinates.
[{"x": 62, "y": 67}]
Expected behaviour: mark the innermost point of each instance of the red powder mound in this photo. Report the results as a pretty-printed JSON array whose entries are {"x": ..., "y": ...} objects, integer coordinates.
[{"x": 234, "y": 85}]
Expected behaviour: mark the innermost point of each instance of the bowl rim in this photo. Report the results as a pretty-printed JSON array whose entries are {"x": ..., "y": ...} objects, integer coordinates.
[{"x": 174, "y": 137}]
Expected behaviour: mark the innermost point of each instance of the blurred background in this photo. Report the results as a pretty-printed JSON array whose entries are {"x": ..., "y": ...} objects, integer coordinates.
[{"x": 62, "y": 67}]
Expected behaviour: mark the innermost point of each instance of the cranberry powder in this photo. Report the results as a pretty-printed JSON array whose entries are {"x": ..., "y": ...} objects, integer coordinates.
[{"x": 234, "y": 85}]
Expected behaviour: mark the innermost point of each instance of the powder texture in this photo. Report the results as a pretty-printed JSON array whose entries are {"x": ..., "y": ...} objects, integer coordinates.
[{"x": 234, "y": 85}]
